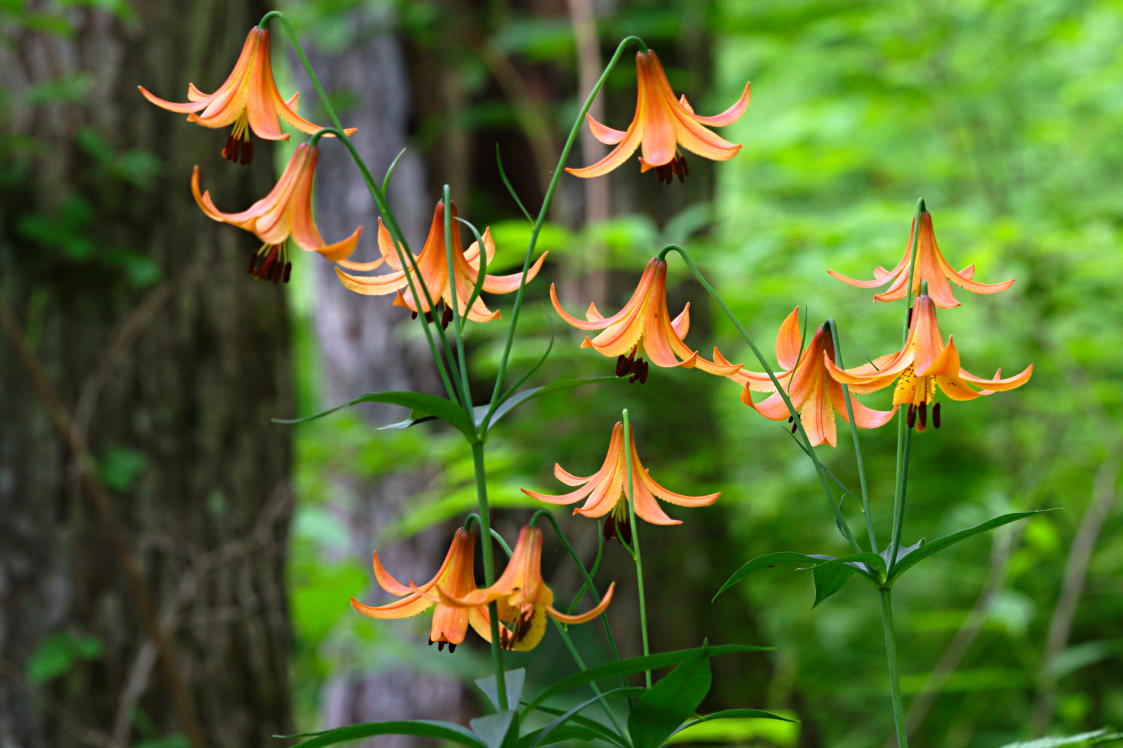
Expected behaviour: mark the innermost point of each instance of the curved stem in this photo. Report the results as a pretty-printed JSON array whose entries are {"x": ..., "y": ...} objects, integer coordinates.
[
  {"x": 904, "y": 433},
  {"x": 489, "y": 570},
  {"x": 457, "y": 321},
  {"x": 839, "y": 520},
  {"x": 637, "y": 557},
  {"x": 891, "y": 657},
  {"x": 547, "y": 200},
  {"x": 585, "y": 575},
  {"x": 833, "y": 327}
]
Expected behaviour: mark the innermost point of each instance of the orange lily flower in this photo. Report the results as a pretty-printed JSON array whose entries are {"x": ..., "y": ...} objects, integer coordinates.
[
  {"x": 286, "y": 212},
  {"x": 607, "y": 491},
  {"x": 523, "y": 600},
  {"x": 643, "y": 326},
  {"x": 248, "y": 100},
  {"x": 661, "y": 124},
  {"x": 814, "y": 395},
  {"x": 931, "y": 267},
  {"x": 439, "y": 279},
  {"x": 456, "y": 576},
  {"x": 922, "y": 365}
]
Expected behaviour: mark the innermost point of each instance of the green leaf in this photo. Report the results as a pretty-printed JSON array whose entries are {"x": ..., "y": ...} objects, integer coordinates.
[
  {"x": 120, "y": 467},
  {"x": 540, "y": 737},
  {"x": 493, "y": 729},
  {"x": 526, "y": 395},
  {"x": 579, "y": 734},
  {"x": 1103, "y": 735},
  {"x": 514, "y": 680},
  {"x": 57, "y": 654},
  {"x": 577, "y": 720},
  {"x": 861, "y": 562},
  {"x": 909, "y": 560},
  {"x": 422, "y": 728},
  {"x": 418, "y": 402},
  {"x": 734, "y": 714},
  {"x": 829, "y": 579},
  {"x": 639, "y": 664},
  {"x": 661, "y": 711}
]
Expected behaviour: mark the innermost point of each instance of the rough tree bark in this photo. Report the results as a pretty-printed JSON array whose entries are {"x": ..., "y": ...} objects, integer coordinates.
[
  {"x": 363, "y": 348},
  {"x": 171, "y": 384}
]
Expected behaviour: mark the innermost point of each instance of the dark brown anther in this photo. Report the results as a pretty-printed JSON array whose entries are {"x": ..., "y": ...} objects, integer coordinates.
[
  {"x": 618, "y": 531},
  {"x": 440, "y": 646},
  {"x": 623, "y": 366},
  {"x": 446, "y": 317},
  {"x": 923, "y": 415},
  {"x": 912, "y": 416},
  {"x": 683, "y": 168},
  {"x": 642, "y": 367},
  {"x": 791, "y": 420},
  {"x": 288, "y": 273},
  {"x": 413, "y": 315},
  {"x": 229, "y": 151},
  {"x": 936, "y": 415},
  {"x": 247, "y": 152},
  {"x": 253, "y": 263},
  {"x": 795, "y": 426},
  {"x": 909, "y": 322},
  {"x": 451, "y": 648},
  {"x": 430, "y": 642},
  {"x": 429, "y": 317}
]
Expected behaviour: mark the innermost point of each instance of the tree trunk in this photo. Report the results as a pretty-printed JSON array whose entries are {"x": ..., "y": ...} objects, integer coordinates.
[
  {"x": 169, "y": 362},
  {"x": 364, "y": 350}
]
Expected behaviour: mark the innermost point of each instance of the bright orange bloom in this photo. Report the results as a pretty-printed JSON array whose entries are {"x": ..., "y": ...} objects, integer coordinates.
[
  {"x": 922, "y": 365},
  {"x": 456, "y": 577},
  {"x": 814, "y": 395},
  {"x": 433, "y": 266},
  {"x": 607, "y": 491},
  {"x": 643, "y": 326},
  {"x": 931, "y": 267},
  {"x": 522, "y": 598},
  {"x": 248, "y": 100},
  {"x": 286, "y": 212},
  {"x": 661, "y": 124}
]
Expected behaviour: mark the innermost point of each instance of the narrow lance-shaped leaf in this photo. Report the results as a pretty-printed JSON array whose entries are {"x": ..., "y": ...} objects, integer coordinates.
[
  {"x": 861, "y": 562},
  {"x": 417, "y": 402},
  {"x": 906, "y": 562},
  {"x": 417, "y": 728}
]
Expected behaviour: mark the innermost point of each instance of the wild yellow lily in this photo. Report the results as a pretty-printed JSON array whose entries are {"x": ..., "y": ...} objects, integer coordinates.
[
  {"x": 607, "y": 491},
  {"x": 439, "y": 279},
  {"x": 643, "y": 327},
  {"x": 285, "y": 213},
  {"x": 923, "y": 365},
  {"x": 521, "y": 596},
  {"x": 248, "y": 100},
  {"x": 931, "y": 268},
  {"x": 456, "y": 576},
  {"x": 660, "y": 126}
]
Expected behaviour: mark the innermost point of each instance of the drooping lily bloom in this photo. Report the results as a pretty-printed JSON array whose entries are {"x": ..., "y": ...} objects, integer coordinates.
[
  {"x": 439, "y": 279},
  {"x": 285, "y": 213},
  {"x": 814, "y": 395},
  {"x": 643, "y": 327},
  {"x": 522, "y": 598},
  {"x": 607, "y": 491},
  {"x": 923, "y": 365},
  {"x": 456, "y": 576},
  {"x": 661, "y": 125},
  {"x": 248, "y": 101},
  {"x": 931, "y": 267}
]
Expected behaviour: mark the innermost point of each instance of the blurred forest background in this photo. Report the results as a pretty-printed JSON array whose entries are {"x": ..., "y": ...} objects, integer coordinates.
[{"x": 175, "y": 568}]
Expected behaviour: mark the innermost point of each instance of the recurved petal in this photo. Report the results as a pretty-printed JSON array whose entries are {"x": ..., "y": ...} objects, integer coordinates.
[
  {"x": 500, "y": 284},
  {"x": 697, "y": 139},
  {"x": 588, "y": 616},
  {"x": 789, "y": 341},
  {"x": 604, "y": 133},
  {"x": 187, "y": 107},
  {"x": 617, "y": 156},
  {"x": 859, "y": 283},
  {"x": 997, "y": 383},
  {"x": 404, "y": 608},
  {"x": 670, "y": 496},
  {"x": 378, "y": 285},
  {"x": 730, "y": 115}
]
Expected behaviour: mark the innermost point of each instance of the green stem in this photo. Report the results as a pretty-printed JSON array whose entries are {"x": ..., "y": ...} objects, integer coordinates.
[
  {"x": 833, "y": 327},
  {"x": 376, "y": 192},
  {"x": 489, "y": 570},
  {"x": 891, "y": 657},
  {"x": 457, "y": 320},
  {"x": 547, "y": 200},
  {"x": 637, "y": 557},
  {"x": 904, "y": 433},
  {"x": 839, "y": 520},
  {"x": 585, "y": 576}
]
